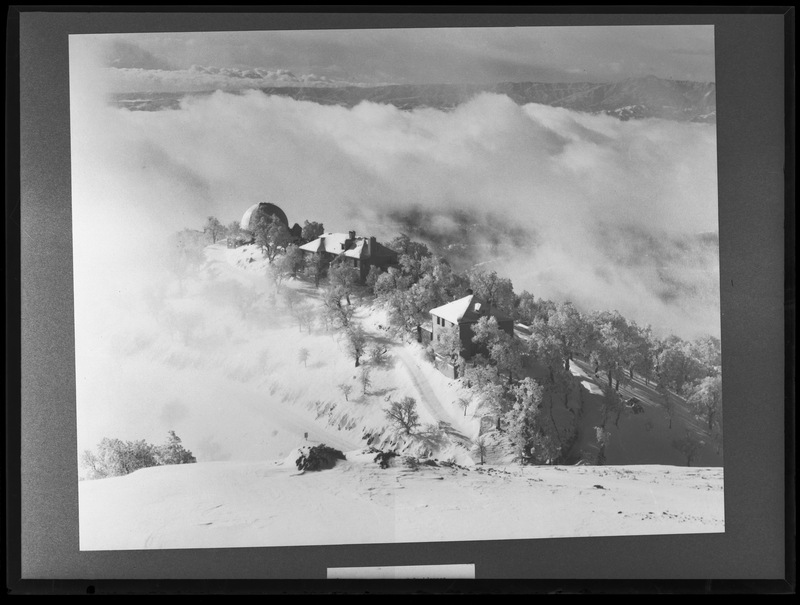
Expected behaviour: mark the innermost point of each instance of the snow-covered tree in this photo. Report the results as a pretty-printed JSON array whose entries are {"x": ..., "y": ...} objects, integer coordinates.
[
  {"x": 365, "y": 378},
  {"x": 645, "y": 354},
  {"x": 343, "y": 277},
  {"x": 612, "y": 345},
  {"x": 505, "y": 351},
  {"x": 214, "y": 229},
  {"x": 271, "y": 234},
  {"x": 315, "y": 268},
  {"x": 389, "y": 282},
  {"x": 603, "y": 436},
  {"x": 487, "y": 385},
  {"x": 305, "y": 315},
  {"x": 115, "y": 457},
  {"x": 404, "y": 414},
  {"x": 448, "y": 344},
  {"x": 303, "y": 355},
  {"x": 373, "y": 276},
  {"x": 291, "y": 262},
  {"x": 346, "y": 389},
  {"x": 527, "y": 309},
  {"x": 705, "y": 399},
  {"x": 571, "y": 331},
  {"x": 526, "y": 425},
  {"x": 173, "y": 452},
  {"x": 677, "y": 367},
  {"x": 356, "y": 342},
  {"x": 498, "y": 292},
  {"x": 666, "y": 401},
  {"x": 612, "y": 405},
  {"x": 336, "y": 314},
  {"x": 312, "y": 230},
  {"x": 291, "y": 297},
  {"x": 482, "y": 447},
  {"x": 233, "y": 230}
]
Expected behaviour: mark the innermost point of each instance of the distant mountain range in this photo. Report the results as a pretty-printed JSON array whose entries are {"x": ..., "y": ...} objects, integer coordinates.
[{"x": 635, "y": 98}]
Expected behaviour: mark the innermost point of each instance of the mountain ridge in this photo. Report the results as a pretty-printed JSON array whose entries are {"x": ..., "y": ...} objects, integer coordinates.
[{"x": 634, "y": 98}]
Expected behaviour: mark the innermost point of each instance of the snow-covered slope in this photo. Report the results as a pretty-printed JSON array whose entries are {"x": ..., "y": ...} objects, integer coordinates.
[
  {"x": 227, "y": 376},
  {"x": 247, "y": 504},
  {"x": 216, "y": 357}
]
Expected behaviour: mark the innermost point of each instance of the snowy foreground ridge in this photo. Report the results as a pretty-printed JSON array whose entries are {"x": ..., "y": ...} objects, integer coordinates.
[{"x": 247, "y": 504}]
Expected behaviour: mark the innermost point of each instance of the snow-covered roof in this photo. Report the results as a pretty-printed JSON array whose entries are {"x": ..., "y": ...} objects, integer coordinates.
[
  {"x": 468, "y": 309},
  {"x": 342, "y": 243}
]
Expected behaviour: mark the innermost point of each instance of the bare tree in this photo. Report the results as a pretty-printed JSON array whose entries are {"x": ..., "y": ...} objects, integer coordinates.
[
  {"x": 346, "y": 389},
  {"x": 214, "y": 228},
  {"x": 482, "y": 446},
  {"x": 365, "y": 379},
  {"x": 356, "y": 341},
  {"x": 404, "y": 414}
]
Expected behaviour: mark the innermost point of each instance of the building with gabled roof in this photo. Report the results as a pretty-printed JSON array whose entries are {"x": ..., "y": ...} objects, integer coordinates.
[
  {"x": 464, "y": 313},
  {"x": 363, "y": 253}
]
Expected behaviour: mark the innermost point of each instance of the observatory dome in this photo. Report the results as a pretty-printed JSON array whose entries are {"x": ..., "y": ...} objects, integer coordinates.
[{"x": 263, "y": 207}]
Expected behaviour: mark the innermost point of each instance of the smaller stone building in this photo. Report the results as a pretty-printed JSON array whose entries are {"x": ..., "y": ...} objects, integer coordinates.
[{"x": 464, "y": 313}]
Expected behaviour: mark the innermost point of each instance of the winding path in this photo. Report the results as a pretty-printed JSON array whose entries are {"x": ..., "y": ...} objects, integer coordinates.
[{"x": 428, "y": 398}]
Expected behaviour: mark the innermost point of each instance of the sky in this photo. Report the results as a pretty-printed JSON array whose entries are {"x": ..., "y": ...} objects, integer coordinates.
[
  {"x": 609, "y": 214},
  {"x": 190, "y": 61}
]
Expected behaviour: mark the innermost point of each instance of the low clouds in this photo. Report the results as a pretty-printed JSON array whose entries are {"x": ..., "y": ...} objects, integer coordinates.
[{"x": 588, "y": 208}]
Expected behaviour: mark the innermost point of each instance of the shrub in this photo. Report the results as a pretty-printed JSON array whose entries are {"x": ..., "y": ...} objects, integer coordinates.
[
  {"x": 115, "y": 457},
  {"x": 319, "y": 457},
  {"x": 384, "y": 458}
]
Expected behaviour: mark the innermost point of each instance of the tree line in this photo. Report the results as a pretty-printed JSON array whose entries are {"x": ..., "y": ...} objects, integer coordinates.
[{"x": 617, "y": 349}]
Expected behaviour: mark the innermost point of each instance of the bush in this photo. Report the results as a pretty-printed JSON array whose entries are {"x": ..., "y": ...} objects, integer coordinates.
[
  {"x": 319, "y": 457},
  {"x": 384, "y": 459},
  {"x": 115, "y": 457},
  {"x": 172, "y": 452}
]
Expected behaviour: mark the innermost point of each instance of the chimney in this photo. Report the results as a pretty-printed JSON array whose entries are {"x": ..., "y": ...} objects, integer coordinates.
[
  {"x": 352, "y": 235},
  {"x": 371, "y": 246}
]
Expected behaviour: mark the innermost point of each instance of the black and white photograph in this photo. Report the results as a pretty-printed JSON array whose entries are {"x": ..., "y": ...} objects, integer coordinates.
[{"x": 370, "y": 286}]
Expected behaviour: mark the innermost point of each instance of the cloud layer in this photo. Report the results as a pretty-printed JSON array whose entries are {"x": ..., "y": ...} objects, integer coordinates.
[
  {"x": 609, "y": 214},
  {"x": 433, "y": 55}
]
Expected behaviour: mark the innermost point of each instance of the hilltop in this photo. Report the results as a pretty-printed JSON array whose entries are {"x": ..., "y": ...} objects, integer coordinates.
[
  {"x": 224, "y": 349},
  {"x": 251, "y": 504}
]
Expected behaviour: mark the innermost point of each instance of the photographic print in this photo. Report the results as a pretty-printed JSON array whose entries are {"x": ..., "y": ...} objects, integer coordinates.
[{"x": 395, "y": 285}]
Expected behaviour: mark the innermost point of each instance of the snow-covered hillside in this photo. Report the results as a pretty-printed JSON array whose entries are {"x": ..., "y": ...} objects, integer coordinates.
[
  {"x": 220, "y": 357},
  {"x": 246, "y": 504},
  {"x": 217, "y": 360}
]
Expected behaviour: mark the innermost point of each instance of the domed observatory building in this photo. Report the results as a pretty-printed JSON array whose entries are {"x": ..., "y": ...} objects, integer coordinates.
[{"x": 251, "y": 216}]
